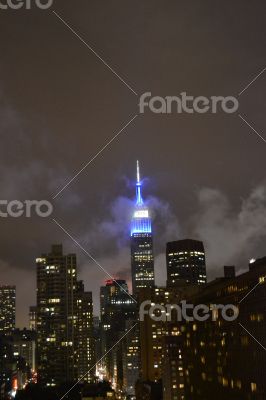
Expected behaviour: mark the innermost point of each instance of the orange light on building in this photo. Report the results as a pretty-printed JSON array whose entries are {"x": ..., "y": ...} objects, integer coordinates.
[{"x": 15, "y": 384}]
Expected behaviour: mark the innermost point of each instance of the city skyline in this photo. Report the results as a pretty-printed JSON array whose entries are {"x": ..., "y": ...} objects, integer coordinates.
[
  {"x": 63, "y": 105},
  {"x": 125, "y": 228},
  {"x": 133, "y": 200}
]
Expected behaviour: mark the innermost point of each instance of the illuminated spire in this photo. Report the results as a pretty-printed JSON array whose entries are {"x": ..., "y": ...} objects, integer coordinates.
[
  {"x": 141, "y": 222},
  {"x": 139, "y": 200},
  {"x": 138, "y": 174}
]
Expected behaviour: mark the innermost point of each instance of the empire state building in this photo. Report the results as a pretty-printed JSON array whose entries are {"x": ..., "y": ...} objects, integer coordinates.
[{"x": 142, "y": 260}]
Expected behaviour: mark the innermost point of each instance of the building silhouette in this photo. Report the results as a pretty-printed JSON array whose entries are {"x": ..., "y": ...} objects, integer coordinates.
[
  {"x": 33, "y": 318},
  {"x": 142, "y": 260},
  {"x": 157, "y": 334},
  {"x": 7, "y": 308},
  {"x": 185, "y": 260},
  {"x": 228, "y": 358},
  {"x": 65, "y": 349},
  {"x": 118, "y": 313},
  {"x": 84, "y": 335}
]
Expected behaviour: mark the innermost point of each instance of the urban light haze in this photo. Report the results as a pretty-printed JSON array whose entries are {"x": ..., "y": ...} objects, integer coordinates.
[{"x": 71, "y": 81}]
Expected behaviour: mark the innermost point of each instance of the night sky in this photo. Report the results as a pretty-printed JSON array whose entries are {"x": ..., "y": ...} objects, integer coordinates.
[{"x": 60, "y": 105}]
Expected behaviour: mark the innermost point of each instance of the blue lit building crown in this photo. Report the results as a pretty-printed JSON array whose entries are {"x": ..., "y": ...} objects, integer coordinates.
[{"x": 141, "y": 221}]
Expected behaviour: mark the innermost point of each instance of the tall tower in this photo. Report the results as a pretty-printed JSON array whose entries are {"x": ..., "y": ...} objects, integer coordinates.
[
  {"x": 142, "y": 261},
  {"x": 7, "y": 308},
  {"x": 65, "y": 346},
  {"x": 56, "y": 282},
  {"x": 117, "y": 311}
]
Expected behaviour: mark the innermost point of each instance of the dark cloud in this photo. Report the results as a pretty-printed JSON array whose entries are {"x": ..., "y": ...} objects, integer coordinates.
[{"x": 231, "y": 236}]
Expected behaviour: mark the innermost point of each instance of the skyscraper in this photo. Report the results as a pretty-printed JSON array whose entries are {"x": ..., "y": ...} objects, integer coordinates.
[
  {"x": 33, "y": 318},
  {"x": 156, "y": 335},
  {"x": 24, "y": 347},
  {"x": 7, "y": 308},
  {"x": 84, "y": 334},
  {"x": 118, "y": 310},
  {"x": 172, "y": 368},
  {"x": 56, "y": 280},
  {"x": 185, "y": 261},
  {"x": 64, "y": 320},
  {"x": 142, "y": 261}
]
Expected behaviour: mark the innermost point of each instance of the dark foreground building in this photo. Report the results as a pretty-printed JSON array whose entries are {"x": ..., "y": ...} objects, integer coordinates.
[
  {"x": 161, "y": 342},
  {"x": 215, "y": 358},
  {"x": 118, "y": 316},
  {"x": 227, "y": 360}
]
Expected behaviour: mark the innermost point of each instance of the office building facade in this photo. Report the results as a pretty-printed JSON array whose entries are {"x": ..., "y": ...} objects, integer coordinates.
[
  {"x": 64, "y": 320},
  {"x": 7, "y": 308},
  {"x": 33, "y": 318},
  {"x": 185, "y": 260},
  {"x": 118, "y": 313},
  {"x": 227, "y": 358},
  {"x": 157, "y": 333}
]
